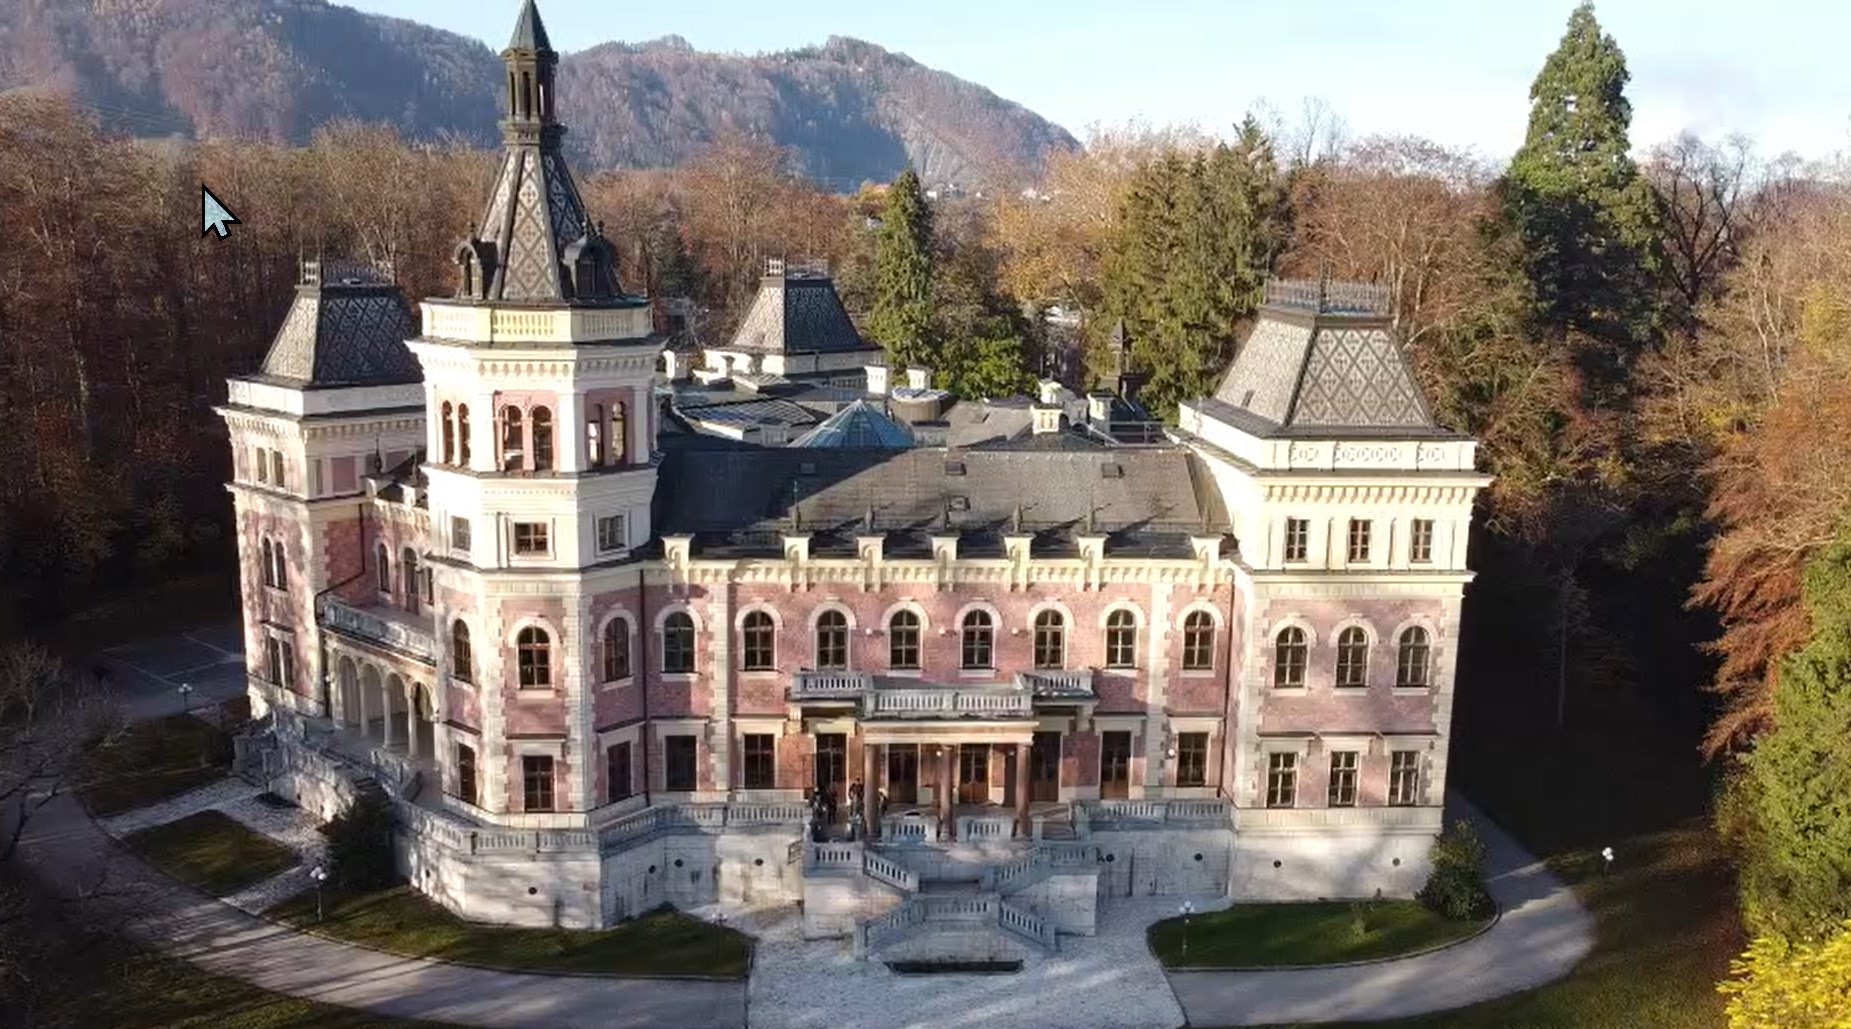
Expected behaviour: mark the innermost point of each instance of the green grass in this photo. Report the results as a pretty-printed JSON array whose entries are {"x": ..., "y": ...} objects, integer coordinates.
[
  {"x": 402, "y": 921},
  {"x": 212, "y": 851},
  {"x": 152, "y": 761},
  {"x": 1322, "y": 933}
]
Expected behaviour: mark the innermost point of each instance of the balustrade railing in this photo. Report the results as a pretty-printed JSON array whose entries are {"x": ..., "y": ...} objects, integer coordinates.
[
  {"x": 1030, "y": 926},
  {"x": 948, "y": 702},
  {"x": 1058, "y": 683},
  {"x": 829, "y": 685},
  {"x": 1121, "y": 812},
  {"x": 890, "y": 872},
  {"x": 393, "y": 632}
]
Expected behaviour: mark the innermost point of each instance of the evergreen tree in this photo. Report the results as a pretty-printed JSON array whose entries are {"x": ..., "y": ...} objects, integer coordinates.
[
  {"x": 1586, "y": 218},
  {"x": 901, "y": 320},
  {"x": 1789, "y": 812}
]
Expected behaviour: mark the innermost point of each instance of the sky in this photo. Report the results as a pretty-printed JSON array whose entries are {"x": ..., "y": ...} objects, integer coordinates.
[{"x": 1456, "y": 71}]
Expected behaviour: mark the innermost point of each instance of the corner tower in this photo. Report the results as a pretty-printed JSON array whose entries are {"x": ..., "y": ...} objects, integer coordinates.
[{"x": 539, "y": 377}]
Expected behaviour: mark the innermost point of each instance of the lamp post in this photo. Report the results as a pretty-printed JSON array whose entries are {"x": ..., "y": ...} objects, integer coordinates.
[
  {"x": 1187, "y": 909},
  {"x": 319, "y": 875},
  {"x": 186, "y": 697}
]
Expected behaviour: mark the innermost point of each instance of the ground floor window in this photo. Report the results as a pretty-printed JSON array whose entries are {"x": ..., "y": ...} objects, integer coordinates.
[
  {"x": 1282, "y": 780},
  {"x": 678, "y": 763},
  {"x": 537, "y": 782},
  {"x": 466, "y": 774},
  {"x": 1404, "y": 778},
  {"x": 617, "y": 772},
  {"x": 1192, "y": 759},
  {"x": 760, "y": 771},
  {"x": 1343, "y": 779}
]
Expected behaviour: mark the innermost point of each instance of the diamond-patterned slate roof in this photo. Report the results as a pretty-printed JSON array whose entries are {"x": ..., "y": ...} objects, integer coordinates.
[
  {"x": 344, "y": 334},
  {"x": 797, "y": 313},
  {"x": 1318, "y": 371}
]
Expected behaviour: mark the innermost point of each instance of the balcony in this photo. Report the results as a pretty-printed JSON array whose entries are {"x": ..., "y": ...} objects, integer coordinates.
[
  {"x": 907, "y": 697},
  {"x": 1071, "y": 684},
  {"x": 946, "y": 702},
  {"x": 389, "y": 627},
  {"x": 840, "y": 686}
]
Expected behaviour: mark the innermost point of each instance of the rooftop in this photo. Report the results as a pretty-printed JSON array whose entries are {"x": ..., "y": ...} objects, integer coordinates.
[{"x": 346, "y": 327}]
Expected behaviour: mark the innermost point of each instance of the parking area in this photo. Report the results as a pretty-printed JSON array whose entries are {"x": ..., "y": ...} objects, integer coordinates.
[{"x": 146, "y": 676}]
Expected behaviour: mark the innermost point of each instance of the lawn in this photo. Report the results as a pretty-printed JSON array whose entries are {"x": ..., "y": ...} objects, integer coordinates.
[
  {"x": 1323, "y": 933},
  {"x": 212, "y": 851},
  {"x": 152, "y": 761},
  {"x": 402, "y": 921}
]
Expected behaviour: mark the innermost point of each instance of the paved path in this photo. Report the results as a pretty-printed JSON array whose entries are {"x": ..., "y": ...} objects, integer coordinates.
[
  {"x": 72, "y": 854},
  {"x": 1543, "y": 934}
]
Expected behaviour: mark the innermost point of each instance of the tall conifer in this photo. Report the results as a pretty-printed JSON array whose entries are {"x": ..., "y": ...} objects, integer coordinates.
[{"x": 901, "y": 320}]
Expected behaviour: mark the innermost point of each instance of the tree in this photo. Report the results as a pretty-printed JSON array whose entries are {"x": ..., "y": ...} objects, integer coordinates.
[
  {"x": 1701, "y": 189},
  {"x": 360, "y": 856},
  {"x": 1455, "y": 885},
  {"x": 901, "y": 320},
  {"x": 1780, "y": 985},
  {"x": 49, "y": 719},
  {"x": 1573, "y": 196},
  {"x": 1790, "y": 813}
]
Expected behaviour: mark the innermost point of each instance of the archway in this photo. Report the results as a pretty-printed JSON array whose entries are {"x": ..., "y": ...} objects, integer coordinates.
[
  {"x": 424, "y": 721},
  {"x": 349, "y": 677},
  {"x": 372, "y": 703},
  {"x": 397, "y": 711}
]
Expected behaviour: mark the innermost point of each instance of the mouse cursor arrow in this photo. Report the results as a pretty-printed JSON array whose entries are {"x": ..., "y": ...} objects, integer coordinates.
[{"x": 218, "y": 218}]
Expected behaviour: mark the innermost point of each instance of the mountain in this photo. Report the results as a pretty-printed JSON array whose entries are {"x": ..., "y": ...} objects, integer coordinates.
[{"x": 277, "y": 69}]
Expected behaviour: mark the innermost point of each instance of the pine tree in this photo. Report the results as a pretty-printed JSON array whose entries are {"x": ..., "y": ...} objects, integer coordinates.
[
  {"x": 901, "y": 320},
  {"x": 1585, "y": 216}
]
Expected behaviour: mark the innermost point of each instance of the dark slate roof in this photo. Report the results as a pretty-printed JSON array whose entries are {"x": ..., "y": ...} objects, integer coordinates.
[
  {"x": 739, "y": 499},
  {"x": 861, "y": 426},
  {"x": 1323, "y": 360},
  {"x": 797, "y": 312},
  {"x": 347, "y": 331},
  {"x": 530, "y": 31}
]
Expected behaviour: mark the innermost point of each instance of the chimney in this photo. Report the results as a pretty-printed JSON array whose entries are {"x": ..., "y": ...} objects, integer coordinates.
[
  {"x": 918, "y": 378},
  {"x": 1047, "y": 419},
  {"x": 1049, "y": 391},
  {"x": 1099, "y": 407},
  {"x": 877, "y": 379}
]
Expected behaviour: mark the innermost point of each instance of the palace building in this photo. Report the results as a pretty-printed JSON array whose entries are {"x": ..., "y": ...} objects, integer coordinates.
[{"x": 598, "y": 632}]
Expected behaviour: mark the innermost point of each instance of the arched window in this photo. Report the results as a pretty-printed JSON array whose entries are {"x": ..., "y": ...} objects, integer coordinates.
[
  {"x": 542, "y": 439},
  {"x": 1121, "y": 639},
  {"x": 462, "y": 659},
  {"x": 758, "y": 649},
  {"x": 534, "y": 654},
  {"x": 979, "y": 650},
  {"x": 832, "y": 641},
  {"x": 448, "y": 430},
  {"x": 594, "y": 436},
  {"x": 1352, "y": 659},
  {"x": 903, "y": 640},
  {"x": 462, "y": 435},
  {"x": 619, "y": 435},
  {"x": 281, "y": 572},
  {"x": 384, "y": 569},
  {"x": 1289, "y": 653},
  {"x": 1413, "y": 663},
  {"x": 269, "y": 563},
  {"x": 408, "y": 578},
  {"x": 616, "y": 646},
  {"x": 1050, "y": 640},
  {"x": 678, "y": 642},
  {"x": 1199, "y": 642},
  {"x": 513, "y": 448}
]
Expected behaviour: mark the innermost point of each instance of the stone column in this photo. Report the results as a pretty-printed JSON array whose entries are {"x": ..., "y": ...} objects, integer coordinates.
[
  {"x": 870, "y": 796},
  {"x": 948, "y": 779},
  {"x": 385, "y": 699},
  {"x": 366, "y": 726},
  {"x": 411, "y": 719},
  {"x": 1024, "y": 826}
]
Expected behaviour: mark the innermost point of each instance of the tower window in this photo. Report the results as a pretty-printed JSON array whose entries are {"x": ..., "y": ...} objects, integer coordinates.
[
  {"x": 678, "y": 643},
  {"x": 448, "y": 429},
  {"x": 462, "y": 434},
  {"x": 594, "y": 436},
  {"x": 513, "y": 455},
  {"x": 542, "y": 439}
]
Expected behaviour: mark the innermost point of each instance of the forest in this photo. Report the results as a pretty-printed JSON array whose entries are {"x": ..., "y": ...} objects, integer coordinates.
[{"x": 1649, "y": 338}]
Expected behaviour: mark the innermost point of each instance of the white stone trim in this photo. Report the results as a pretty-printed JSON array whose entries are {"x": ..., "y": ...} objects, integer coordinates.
[
  {"x": 519, "y": 748},
  {"x": 831, "y": 604},
  {"x": 907, "y": 604},
  {"x": 777, "y": 619},
  {"x": 1138, "y": 620},
  {"x": 1278, "y": 625},
  {"x": 1118, "y": 723},
  {"x": 996, "y": 618},
  {"x": 1214, "y": 614}
]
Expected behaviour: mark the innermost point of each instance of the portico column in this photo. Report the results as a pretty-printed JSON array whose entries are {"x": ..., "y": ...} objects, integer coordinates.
[
  {"x": 870, "y": 795},
  {"x": 366, "y": 724},
  {"x": 411, "y": 719},
  {"x": 1024, "y": 828},
  {"x": 947, "y": 784},
  {"x": 385, "y": 698}
]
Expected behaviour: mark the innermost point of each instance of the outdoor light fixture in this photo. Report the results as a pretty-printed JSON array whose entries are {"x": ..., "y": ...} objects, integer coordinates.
[
  {"x": 186, "y": 695},
  {"x": 319, "y": 875},
  {"x": 1186, "y": 910}
]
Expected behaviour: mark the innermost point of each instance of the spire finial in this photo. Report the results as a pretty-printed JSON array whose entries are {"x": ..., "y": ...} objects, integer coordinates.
[{"x": 1015, "y": 520}]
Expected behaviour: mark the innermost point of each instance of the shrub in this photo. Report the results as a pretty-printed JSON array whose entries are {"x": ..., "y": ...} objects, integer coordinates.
[
  {"x": 1456, "y": 886},
  {"x": 360, "y": 856},
  {"x": 1778, "y": 985}
]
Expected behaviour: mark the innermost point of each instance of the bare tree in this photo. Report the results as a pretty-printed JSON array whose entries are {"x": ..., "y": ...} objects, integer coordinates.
[
  {"x": 49, "y": 718},
  {"x": 1701, "y": 189}
]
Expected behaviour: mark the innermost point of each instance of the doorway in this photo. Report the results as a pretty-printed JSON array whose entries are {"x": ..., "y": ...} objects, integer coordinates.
[
  {"x": 1044, "y": 767},
  {"x": 832, "y": 766},
  {"x": 974, "y": 773},
  {"x": 903, "y": 773},
  {"x": 1115, "y": 766}
]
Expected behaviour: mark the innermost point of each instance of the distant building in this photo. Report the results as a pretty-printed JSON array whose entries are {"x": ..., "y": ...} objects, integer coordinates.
[{"x": 599, "y": 653}]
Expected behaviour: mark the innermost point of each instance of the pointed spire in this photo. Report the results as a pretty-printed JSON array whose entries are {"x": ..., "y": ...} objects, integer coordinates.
[{"x": 530, "y": 31}]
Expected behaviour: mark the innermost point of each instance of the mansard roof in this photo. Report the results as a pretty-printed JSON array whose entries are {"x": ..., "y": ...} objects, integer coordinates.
[
  {"x": 797, "y": 311},
  {"x": 1323, "y": 360},
  {"x": 346, "y": 327},
  {"x": 741, "y": 498}
]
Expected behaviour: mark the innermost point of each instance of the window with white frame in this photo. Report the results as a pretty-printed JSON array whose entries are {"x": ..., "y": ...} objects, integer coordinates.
[
  {"x": 531, "y": 539},
  {"x": 1290, "y": 651},
  {"x": 1199, "y": 642},
  {"x": 1352, "y": 659},
  {"x": 832, "y": 641},
  {"x": 615, "y": 650},
  {"x": 1282, "y": 779},
  {"x": 460, "y": 535},
  {"x": 1192, "y": 759},
  {"x": 758, "y": 647},
  {"x": 611, "y": 534},
  {"x": 678, "y": 643},
  {"x": 759, "y": 771},
  {"x": 1413, "y": 659},
  {"x": 903, "y": 640},
  {"x": 1404, "y": 778},
  {"x": 1297, "y": 539},
  {"x": 1121, "y": 639},
  {"x": 1050, "y": 640},
  {"x": 1420, "y": 541},
  {"x": 1343, "y": 765},
  {"x": 977, "y": 643},
  {"x": 1359, "y": 539},
  {"x": 536, "y": 782},
  {"x": 534, "y": 658}
]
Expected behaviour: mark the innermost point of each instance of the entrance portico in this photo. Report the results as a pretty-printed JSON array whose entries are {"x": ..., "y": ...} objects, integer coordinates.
[{"x": 955, "y": 757}]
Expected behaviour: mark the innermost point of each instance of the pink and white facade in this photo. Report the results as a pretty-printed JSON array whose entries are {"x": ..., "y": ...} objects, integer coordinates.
[{"x": 600, "y": 670}]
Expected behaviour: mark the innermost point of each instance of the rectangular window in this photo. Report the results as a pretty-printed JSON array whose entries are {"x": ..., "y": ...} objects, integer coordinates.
[
  {"x": 344, "y": 475},
  {"x": 466, "y": 774},
  {"x": 537, "y": 782},
  {"x": 277, "y": 478},
  {"x": 1282, "y": 780},
  {"x": 611, "y": 534},
  {"x": 530, "y": 539},
  {"x": 315, "y": 478},
  {"x": 260, "y": 459},
  {"x": 1404, "y": 778},
  {"x": 289, "y": 662},
  {"x": 1192, "y": 759},
  {"x": 617, "y": 772},
  {"x": 1343, "y": 778},
  {"x": 1297, "y": 539},
  {"x": 1359, "y": 539},
  {"x": 760, "y": 772},
  {"x": 273, "y": 660},
  {"x": 460, "y": 538},
  {"x": 1420, "y": 541},
  {"x": 678, "y": 763}
]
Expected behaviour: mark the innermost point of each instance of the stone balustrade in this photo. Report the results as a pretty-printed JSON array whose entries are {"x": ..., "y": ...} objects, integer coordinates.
[
  {"x": 1127, "y": 814},
  {"x": 399, "y": 630},
  {"x": 948, "y": 703},
  {"x": 910, "y": 828},
  {"x": 881, "y": 869},
  {"x": 830, "y": 685}
]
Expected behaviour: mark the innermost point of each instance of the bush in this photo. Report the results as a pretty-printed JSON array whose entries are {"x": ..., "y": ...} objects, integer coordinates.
[
  {"x": 1456, "y": 886},
  {"x": 360, "y": 854},
  {"x": 1778, "y": 985}
]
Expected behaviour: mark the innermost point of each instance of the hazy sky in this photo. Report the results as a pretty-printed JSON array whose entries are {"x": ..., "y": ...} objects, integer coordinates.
[{"x": 1457, "y": 71}]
